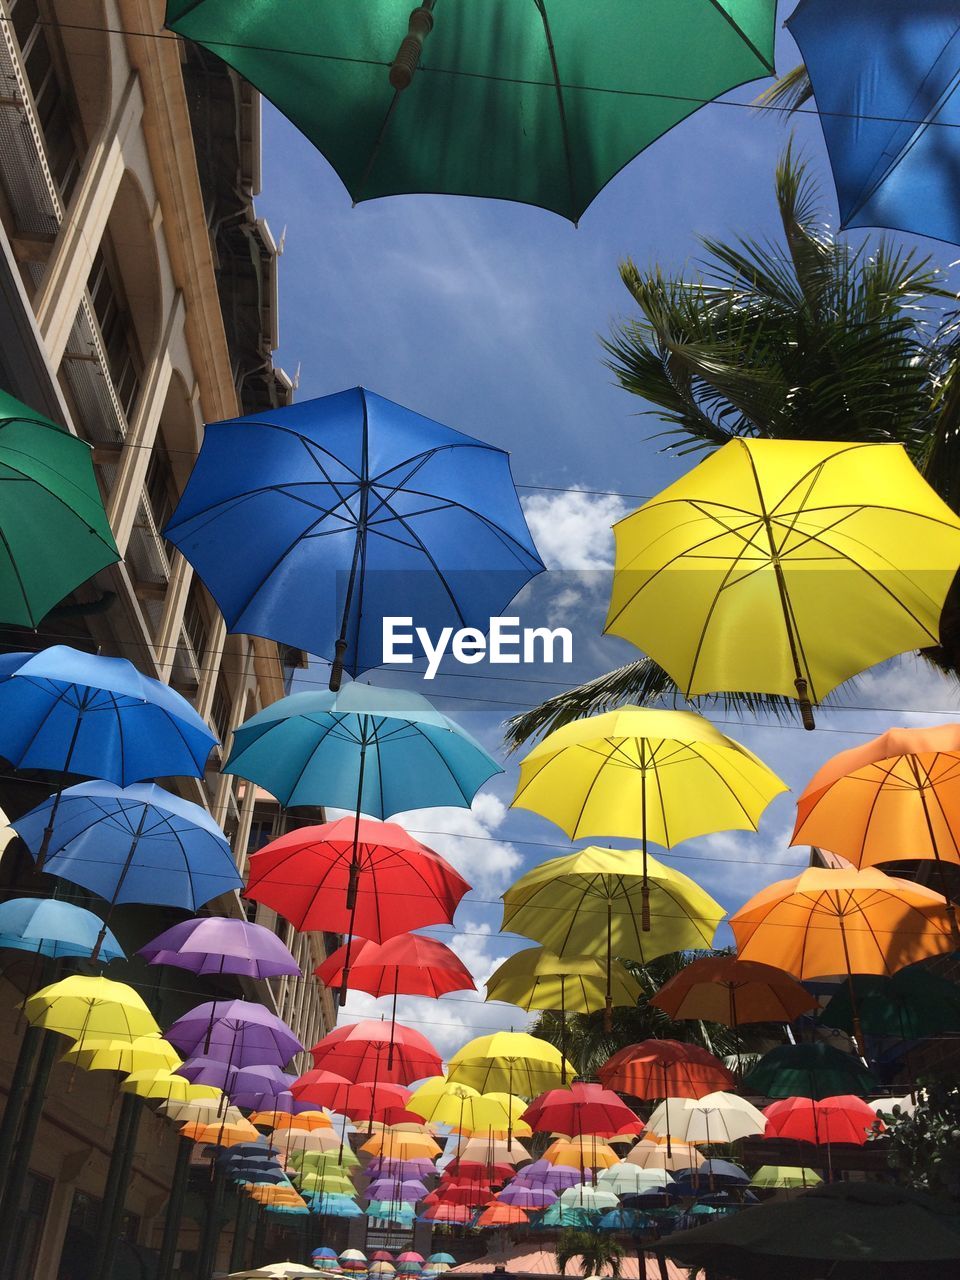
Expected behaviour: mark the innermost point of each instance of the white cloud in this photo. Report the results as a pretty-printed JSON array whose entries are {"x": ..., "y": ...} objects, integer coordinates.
[
  {"x": 467, "y": 838},
  {"x": 906, "y": 682},
  {"x": 572, "y": 530}
]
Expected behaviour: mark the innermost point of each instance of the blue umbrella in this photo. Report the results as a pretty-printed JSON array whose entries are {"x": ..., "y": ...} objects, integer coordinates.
[
  {"x": 132, "y": 844},
  {"x": 402, "y": 1215},
  {"x": 884, "y": 75},
  {"x": 567, "y": 1215},
  {"x": 74, "y": 712},
  {"x": 334, "y": 1206},
  {"x": 377, "y": 751},
  {"x": 311, "y": 523},
  {"x": 625, "y": 1220},
  {"x": 56, "y": 929},
  {"x": 716, "y": 1172}
]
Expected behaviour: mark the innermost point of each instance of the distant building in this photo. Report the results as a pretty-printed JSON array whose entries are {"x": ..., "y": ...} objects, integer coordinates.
[{"x": 138, "y": 299}]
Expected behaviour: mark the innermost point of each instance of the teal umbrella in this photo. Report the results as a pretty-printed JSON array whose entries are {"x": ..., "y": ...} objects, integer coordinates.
[
  {"x": 911, "y": 1004},
  {"x": 541, "y": 101},
  {"x": 809, "y": 1071},
  {"x": 54, "y": 533}
]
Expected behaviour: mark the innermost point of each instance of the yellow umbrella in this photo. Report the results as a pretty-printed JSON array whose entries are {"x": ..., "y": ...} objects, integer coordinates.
[
  {"x": 143, "y": 1054},
  {"x": 466, "y": 1110},
  {"x": 509, "y": 1061},
  {"x": 402, "y": 1146},
  {"x": 583, "y": 1152},
  {"x": 593, "y": 902},
  {"x": 166, "y": 1085},
  {"x": 81, "y": 1007},
  {"x": 536, "y": 978},
  {"x": 785, "y": 566}
]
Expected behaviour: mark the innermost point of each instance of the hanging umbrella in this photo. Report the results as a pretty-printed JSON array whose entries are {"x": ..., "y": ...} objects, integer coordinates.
[
  {"x": 285, "y": 1122},
  {"x": 909, "y": 1005},
  {"x": 567, "y": 1215},
  {"x": 596, "y": 902},
  {"x": 218, "y": 944},
  {"x": 593, "y": 1199},
  {"x": 647, "y": 1154},
  {"x": 536, "y": 978},
  {"x": 81, "y": 1007},
  {"x": 624, "y": 1220},
  {"x": 630, "y": 1179},
  {"x": 824, "y": 1120},
  {"x": 405, "y": 964},
  {"x": 490, "y": 1151},
  {"x": 199, "y": 1109},
  {"x": 581, "y": 1153},
  {"x": 530, "y": 1198},
  {"x": 330, "y": 1204},
  {"x": 583, "y": 1109},
  {"x": 160, "y": 1085},
  {"x": 500, "y": 1214},
  {"x": 815, "y": 1070},
  {"x": 48, "y": 927},
  {"x": 544, "y": 107},
  {"x": 713, "y": 1118},
  {"x": 449, "y": 1214},
  {"x": 443, "y": 1259},
  {"x": 717, "y": 1171},
  {"x": 236, "y": 1031},
  {"x": 54, "y": 532},
  {"x": 444, "y": 1101},
  {"x": 840, "y": 555},
  {"x": 142, "y": 1054},
  {"x": 838, "y": 922},
  {"x": 784, "y": 1177},
  {"x": 328, "y": 1089},
  {"x": 732, "y": 992},
  {"x": 133, "y": 844},
  {"x": 896, "y": 797},
  {"x": 511, "y": 1061},
  {"x": 223, "y": 1133},
  {"x": 642, "y": 772},
  {"x": 369, "y": 1050},
  {"x": 346, "y": 511},
  {"x": 887, "y": 111}
]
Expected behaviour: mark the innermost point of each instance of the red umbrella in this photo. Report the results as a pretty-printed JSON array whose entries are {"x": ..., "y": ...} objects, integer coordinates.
[
  {"x": 471, "y": 1194},
  {"x": 394, "y": 1114},
  {"x": 582, "y": 1109},
  {"x": 355, "y": 876},
  {"x": 328, "y": 1089},
  {"x": 477, "y": 1168},
  {"x": 844, "y": 1118},
  {"x": 665, "y": 1069},
  {"x": 382, "y": 1255},
  {"x": 451, "y": 1214},
  {"x": 502, "y": 1215},
  {"x": 377, "y": 1051}
]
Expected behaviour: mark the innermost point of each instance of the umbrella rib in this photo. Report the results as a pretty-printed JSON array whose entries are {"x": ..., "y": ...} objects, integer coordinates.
[{"x": 575, "y": 833}]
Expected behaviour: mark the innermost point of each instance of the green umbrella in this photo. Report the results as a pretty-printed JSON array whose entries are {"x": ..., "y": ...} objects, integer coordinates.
[
  {"x": 809, "y": 1071},
  {"x": 782, "y": 1176},
  {"x": 847, "y": 1230},
  {"x": 911, "y": 1004},
  {"x": 541, "y": 101},
  {"x": 53, "y": 528}
]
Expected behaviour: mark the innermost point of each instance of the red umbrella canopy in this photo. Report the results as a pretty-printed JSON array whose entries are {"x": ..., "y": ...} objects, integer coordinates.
[
  {"x": 406, "y": 965},
  {"x": 471, "y": 1194},
  {"x": 479, "y": 1169},
  {"x": 400, "y": 883},
  {"x": 328, "y": 1089},
  {"x": 665, "y": 1069},
  {"x": 393, "y": 1114},
  {"x": 457, "y": 1214},
  {"x": 582, "y": 1109},
  {"x": 502, "y": 1215},
  {"x": 844, "y": 1118},
  {"x": 378, "y": 1051}
]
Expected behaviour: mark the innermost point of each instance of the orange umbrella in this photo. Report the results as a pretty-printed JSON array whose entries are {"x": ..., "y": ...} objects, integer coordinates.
[
  {"x": 497, "y": 1214},
  {"x": 731, "y": 991},
  {"x": 221, "y": 1135},
  {"x": 581, "y": 1153},
  {"x": 280, "y": 1120},
  {"x": 895, "y": 798},
  {"x": 827, "y": 922}
]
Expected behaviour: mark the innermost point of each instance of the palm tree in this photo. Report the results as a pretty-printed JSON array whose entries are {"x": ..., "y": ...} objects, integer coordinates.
[
  {"x": 808, "y": 337},
  {"x": 596, "y": 1250}
]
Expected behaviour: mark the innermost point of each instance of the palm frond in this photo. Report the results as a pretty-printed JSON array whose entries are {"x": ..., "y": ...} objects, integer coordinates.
[{"x": 789, "y": 93}]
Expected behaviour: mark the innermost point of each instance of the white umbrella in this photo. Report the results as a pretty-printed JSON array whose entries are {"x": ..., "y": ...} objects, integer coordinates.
[
  {"x": 584, "y": 1197},
  {"x": 648, "y": 1154},
  {"x": 716, "y": 1117},
  {"x": 631, "y": 1179},
  {"x": 275, "y": 1271}
]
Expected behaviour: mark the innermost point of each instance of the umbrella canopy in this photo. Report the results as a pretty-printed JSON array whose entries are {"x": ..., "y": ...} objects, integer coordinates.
[
  {"x": 167, "y": 1087},
  {"x": 348, "y": 510},
  {"x": 54, "y": 532},
  {"x": 48, "y": 927},
  {"x": 209, "y": 1108},
  {"x": 567, "y": 1215},
  {"x": 285, "y": 1122},
  {"x": 909, "y": 1005},
  {"x": 841, "y": 1119},
  {"x": 511, "y": 1061},
  {"x": 217, "y": 945},
  {"x": 733, "y": 992},
  {"x": 527, "y": 1197},
  {"x": 649, "y": 1155},
  {"x": 631, "y": 1179},
  {"x": 593, "y": 1199},
  {"x": 406, "y": 1146},
  {"x": 581, "y": 1109},
  {"x": 624, "y": 1220},
  {"x": 842, "y": 1228},
  {"x": 330, "y": 1204},
  {"x": 814, "y": 1070},
  {"x": 150, "y": 1052},
  {"x": 490, "y": 1151},
  {"x": 717, "y": 1171},
  {"x": 840, "y": 554},
  {"x": 405, "y": 964},
  {"x": 408, "y": 1189},
  {"x": 75, "y": 712},
  {"x": 540, "y": 1174},
  {"x": 502, "y": 1215},
  {"x": 238, "y": 1032},
  {"x": 451, "y": 1214},
  {"x": 536, "y": 978},
  {"x": 369, "y": 1050},
  {"x": 307, "y": 749},
  {"x": 132, "y": 844},
  {"x": 443, "y": 1101},
  {"x": 715, "y": 1117},
  {"x": 887, "y": 111},
  {"x": 328, "y": 1089},
  {"x": 664, "y": 1069},
  {"x": 223, "y": 1133},
  {"x": 784, "y": 1177},
  {"x": 544, "y": 106},
  {"x": 607, "y": 902},
  {"x": 83, "y": 1008},
  {"x": 581, "y": 1153},
  {"x": 340, "y": 876}
]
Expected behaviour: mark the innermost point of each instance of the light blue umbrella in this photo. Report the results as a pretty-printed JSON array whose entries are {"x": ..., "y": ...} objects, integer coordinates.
[
  {"x": 334, "y": 1206},
  {"x": 566, "y": 1215},
  {"x": 884, "y": 75},
  {"x": 378, "y": 751},
  {"x": 132, "y": 844},
  {"x": 390, "y": 1211},
  {"x": 624, "y": 1220},
  {"x": 311, "y": 523},
  {"x": 56, "y": 929}
]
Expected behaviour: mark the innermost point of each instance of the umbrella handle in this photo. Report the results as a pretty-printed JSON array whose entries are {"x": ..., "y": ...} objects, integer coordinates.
[
  {"x": 806, "y": 706},
  {"x": 407, "y": 57}
]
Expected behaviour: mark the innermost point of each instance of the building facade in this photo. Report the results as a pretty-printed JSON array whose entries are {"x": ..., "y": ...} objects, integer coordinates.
[{"x": 138, "y": 299}]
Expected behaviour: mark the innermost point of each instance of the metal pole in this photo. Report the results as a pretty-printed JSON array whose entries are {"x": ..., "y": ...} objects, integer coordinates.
[
  {"x": 171, "y": 1223},
  {"x": 115, "y": 1189}
]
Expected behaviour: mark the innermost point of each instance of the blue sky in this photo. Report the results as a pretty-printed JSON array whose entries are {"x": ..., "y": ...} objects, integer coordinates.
[{"x": 485, "y": 316}]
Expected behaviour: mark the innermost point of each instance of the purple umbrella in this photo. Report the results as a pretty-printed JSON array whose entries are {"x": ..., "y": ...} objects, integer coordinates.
[
  {"x": 215, "y": 944},
  {"x": 538, "y": 1197},
  {"x": 544, "y": 1174},
  {"x": 256, "y": 1087},
  {"x": 385, "y": 1167},
  {"x": 392, "y": 1189},
  {"x": 238, "y": 1032}
]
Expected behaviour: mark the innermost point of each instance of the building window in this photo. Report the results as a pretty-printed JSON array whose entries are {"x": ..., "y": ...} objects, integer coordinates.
[
  {"x": 124, "y": 358},
  {"x": 261, "y": 833},
  {"x": 195, "y": 624},
  {"x": 159, "y": 485},
  {"x": 220, "y": 708},
  {"x": 53, "y": 109}
]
